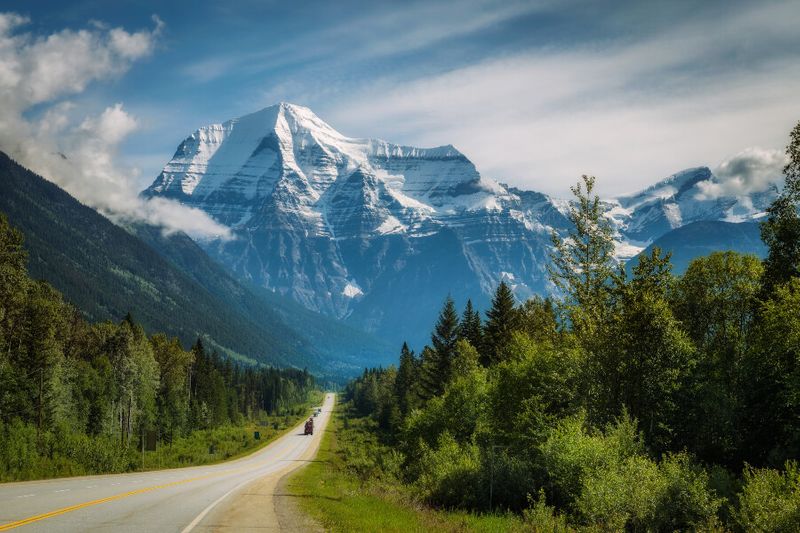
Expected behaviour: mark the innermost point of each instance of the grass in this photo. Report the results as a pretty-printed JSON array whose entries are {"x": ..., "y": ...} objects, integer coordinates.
[{"x": 344, "y": 496}]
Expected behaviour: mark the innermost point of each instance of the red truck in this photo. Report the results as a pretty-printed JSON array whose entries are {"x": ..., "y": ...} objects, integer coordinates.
[{"x": 309, "y": 427}]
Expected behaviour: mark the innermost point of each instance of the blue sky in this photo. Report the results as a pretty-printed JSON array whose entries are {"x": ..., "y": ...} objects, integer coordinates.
[{"x": 535, "y": 93}]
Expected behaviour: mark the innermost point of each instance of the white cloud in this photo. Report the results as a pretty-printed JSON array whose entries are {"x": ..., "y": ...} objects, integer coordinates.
[
  {"x": 751, "y": 171},
  {"x": 80, "y": 153},
  {"x": 630, "y": 112}
]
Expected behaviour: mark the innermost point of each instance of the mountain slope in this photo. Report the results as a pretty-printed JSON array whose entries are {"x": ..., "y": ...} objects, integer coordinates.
[
  {"x": 701, "y": 238},
  {"x": 379, "y": 234},
  {"x": 107, "y": 271}
]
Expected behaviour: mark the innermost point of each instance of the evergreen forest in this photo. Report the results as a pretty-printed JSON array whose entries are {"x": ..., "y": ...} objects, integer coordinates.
[
  {"x": 638, "y": 400},
  {"x": 78, "y": 398}
]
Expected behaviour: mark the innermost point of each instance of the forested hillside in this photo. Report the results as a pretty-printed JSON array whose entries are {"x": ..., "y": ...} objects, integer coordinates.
[
  {"x": 641, "y": 401},
  {"x": 76, "y": 396},
  {"x": 168, "y": 283}
]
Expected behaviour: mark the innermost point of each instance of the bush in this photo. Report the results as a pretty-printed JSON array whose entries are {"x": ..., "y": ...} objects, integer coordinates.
[
  {"x": 688, "y": 502},
  {"x": 571, "y": 454},
  {"x": 541, "y": 517},
  {"x": 450, "y": 474},
  {"x": 770, "y": 500}
]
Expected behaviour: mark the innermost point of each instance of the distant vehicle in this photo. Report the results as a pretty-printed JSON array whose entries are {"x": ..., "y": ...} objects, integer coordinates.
[{"x": 309, "y": 430}]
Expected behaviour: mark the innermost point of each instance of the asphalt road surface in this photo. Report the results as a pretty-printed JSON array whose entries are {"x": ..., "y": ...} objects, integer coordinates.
[{"x": 234, "y": 495}]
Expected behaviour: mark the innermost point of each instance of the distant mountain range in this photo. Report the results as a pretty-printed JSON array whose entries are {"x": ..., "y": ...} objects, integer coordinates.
[
  {"x": 378, "y": 234},
  {"x": 170, "y": 284}
]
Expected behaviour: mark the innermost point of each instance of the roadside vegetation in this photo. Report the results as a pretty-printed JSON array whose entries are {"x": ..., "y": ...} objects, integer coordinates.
[
  {"x": 354, "y": 485},
  {"x": 640, "y": 401},
  {"x": 80, "y": 398}
]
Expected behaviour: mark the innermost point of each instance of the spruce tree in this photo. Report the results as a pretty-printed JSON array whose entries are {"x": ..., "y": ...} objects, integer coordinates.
[
  {"x": 429, "y": 382},
  {"x": 582, "y": 263},
  {"x": 404, "y": 384},
  {"x": 437, "y": 361},
  {"x": 471, "y": 329},
  {"x": 502, "y": 319},
  {"x": 781, "y": 231},
  {"x": 444, "y": 338}
]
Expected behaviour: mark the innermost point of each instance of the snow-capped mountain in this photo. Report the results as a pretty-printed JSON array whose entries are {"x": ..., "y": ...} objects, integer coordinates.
[
  {"x": 378, "y": 233},
  {"x": 676, "y": 201}
]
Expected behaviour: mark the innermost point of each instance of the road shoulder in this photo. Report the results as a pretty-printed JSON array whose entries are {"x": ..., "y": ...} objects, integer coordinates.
[{"x": 264, "y": 504}]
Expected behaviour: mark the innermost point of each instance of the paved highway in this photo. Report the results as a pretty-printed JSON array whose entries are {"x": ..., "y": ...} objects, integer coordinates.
[{"x": 181, "y": 500}]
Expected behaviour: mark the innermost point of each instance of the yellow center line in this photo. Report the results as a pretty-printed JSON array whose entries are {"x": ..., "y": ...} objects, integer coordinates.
[{"x": 63, "y": 510}]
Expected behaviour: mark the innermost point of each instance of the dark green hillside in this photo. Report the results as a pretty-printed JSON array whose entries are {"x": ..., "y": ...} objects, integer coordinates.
[{"x": 107, "y": 272}]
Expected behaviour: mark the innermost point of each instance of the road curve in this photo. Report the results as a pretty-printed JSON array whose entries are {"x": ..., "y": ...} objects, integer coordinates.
[{"x": 181, "y": 500}]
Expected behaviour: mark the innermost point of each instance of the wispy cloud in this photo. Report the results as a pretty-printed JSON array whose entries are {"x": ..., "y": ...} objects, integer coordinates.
[
  {"x": 370, "y": 34},
  {"x": 630, "y": 111},
  {"x": 79, "y": 153}
]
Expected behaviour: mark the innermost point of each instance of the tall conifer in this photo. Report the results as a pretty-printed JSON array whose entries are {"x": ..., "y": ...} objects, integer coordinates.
[{"x": 502, "y": 321}]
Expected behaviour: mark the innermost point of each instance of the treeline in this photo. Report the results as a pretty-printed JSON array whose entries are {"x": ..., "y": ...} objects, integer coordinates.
[
  {"x": 76, "y": 397},
  {"x": 638, "y": 401}
]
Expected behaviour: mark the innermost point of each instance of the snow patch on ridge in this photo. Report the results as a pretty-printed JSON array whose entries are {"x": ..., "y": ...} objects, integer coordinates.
[{"x": 352, "y": 290}]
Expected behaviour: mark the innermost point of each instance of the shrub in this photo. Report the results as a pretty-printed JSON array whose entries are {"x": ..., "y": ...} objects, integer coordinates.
[
  {"x": 571, "y": 454},
  {"x": 688, "y": 502},
  {"x": 540, "y": 517},
  {"x": 450, "y": 474},
  {"x": 770, "y": 500}
]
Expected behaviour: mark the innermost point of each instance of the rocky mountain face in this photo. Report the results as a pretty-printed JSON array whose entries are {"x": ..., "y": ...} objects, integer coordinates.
[{"x": 377, "y": 233}]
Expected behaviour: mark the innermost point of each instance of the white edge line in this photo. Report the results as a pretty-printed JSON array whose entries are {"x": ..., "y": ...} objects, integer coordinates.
[{"x": 202, "y": 515}]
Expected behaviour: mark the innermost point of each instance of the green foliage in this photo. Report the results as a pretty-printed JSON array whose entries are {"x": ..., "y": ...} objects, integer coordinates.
[
  {"x": 641, "y": 356},
  {"x": 770, "y": 500},
  {"x": 531, "y": 391},
  {"x": 437, "y": 362},
  {"x": 542, "y": 517},
  {"x": 502, "y": 319},
  {"x": 773, "y": 380},
  {"x": 75, "y": 398},
  {"x": 449, "y": 472},
  {"x": 460, "y": 411},
  {"x": 716, "y": 303},
  {"x": 633, "y": 411},
  {"x": 582, "y": 261},
  {"x": 571, "y": 454},
  {"x": 538, "y": 320},
  {"x": 781, "y": 230},
  {"x": 368, "y": 498},
  {"x": 471, "y": 328}
]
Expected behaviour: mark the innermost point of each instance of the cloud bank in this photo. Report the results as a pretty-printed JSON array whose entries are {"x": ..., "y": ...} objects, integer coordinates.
[
  {"x": 39, "y": 127},
  {"x": 753, "y": 170}
]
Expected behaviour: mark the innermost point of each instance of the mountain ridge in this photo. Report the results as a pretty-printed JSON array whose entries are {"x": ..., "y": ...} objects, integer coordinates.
[{"x": 335, "y": 222}]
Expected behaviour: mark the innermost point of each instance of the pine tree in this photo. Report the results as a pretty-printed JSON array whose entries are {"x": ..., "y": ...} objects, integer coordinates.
[
  {"x": 429, "y": 382},
  {"x": 781, "y": 231},
  {"x": 438, "y": 359},
  {"x": 404, "y": 384},
  {"x": 502, "y": 319},
  {"x": 471, "y": 329},
  {"x": 582, "y": 263}
]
